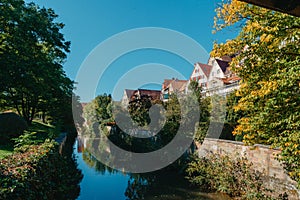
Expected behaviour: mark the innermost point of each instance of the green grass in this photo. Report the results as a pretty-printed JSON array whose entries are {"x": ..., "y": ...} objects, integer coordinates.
[
  {"x": 40, "y": 132},
  {"x": 40, "y": 127},
  {"x": 43, "y": 131},
  {"x": 6, "y": 150}
]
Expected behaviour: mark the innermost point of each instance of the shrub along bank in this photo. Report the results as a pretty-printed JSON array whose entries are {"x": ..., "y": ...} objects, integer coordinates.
[
  {"x": 39, "y": 172},
  {"x": 233, "y": 176}
]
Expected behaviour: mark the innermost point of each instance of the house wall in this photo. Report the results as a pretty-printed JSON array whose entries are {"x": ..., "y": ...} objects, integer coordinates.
[
  {"x": 215, "y": 84},
  {"x": 198, "y": 72},
  {"x": 124, "y": 100},
  {"x": 262, "y": 157},
  {"x": 154, "y": 94},
  {"x": 220, "y": 89},
  {"x": 216, "y": 71}
]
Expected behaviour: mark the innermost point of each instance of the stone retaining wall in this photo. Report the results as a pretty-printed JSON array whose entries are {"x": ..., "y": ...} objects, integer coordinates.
[{"x": 263, "y": 159}]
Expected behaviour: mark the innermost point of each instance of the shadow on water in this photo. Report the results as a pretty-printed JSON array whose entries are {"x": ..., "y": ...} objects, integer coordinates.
[{"x": 102, "y": 182}]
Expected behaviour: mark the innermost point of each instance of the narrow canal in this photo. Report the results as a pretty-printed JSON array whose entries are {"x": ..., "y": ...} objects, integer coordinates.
[{"x": 101, "y": 182}]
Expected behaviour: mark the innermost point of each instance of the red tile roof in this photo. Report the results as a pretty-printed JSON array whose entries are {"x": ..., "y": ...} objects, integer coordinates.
[
  {"x": 166, "y": 83},
  {"x": 230, "y": 80},
  {"x": 205, "y": 68},
  {"x": 83, "y": 104},
  {"x": 179, "y": 85},
  {"x": 176, "y": 84},
  {"x": 153, "y": 94}
]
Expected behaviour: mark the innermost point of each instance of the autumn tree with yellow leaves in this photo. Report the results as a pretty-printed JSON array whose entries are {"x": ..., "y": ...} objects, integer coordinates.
[{"x": 267, "y": 58}]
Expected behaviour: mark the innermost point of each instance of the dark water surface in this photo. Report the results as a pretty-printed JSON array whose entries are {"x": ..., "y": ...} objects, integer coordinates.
[{"x": 100, "y": 182}]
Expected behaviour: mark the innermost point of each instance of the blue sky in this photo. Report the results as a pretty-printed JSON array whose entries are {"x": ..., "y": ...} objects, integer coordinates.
[{"x": 90, "y": 22}]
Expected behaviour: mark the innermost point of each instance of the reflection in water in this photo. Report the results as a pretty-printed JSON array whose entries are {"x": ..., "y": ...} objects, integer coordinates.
[
  {"x": 137, "y": 187},
  {"x": 120, "y": 151},
  {"x": 102, "y": 182}
]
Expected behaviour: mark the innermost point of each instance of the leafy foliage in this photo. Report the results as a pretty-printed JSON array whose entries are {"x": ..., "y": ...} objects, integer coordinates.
[
  {"x": 36, "y": 134},
  {"x": 139, "y": 110},
  {"x": 6, "y": 150},
  {"x": 32, "y": 51},
  {"x": 204, "y": 107},
  {"x": 39, "y": 173},
  {"x": 267, "y": 58},
  {"x": 99, "y": 111},
  {"x": 103, "y": 107},
  {"x": 232, "y": 116},
  {"x": 12, "y": 125},
  {"x": 233, "y": 176}
]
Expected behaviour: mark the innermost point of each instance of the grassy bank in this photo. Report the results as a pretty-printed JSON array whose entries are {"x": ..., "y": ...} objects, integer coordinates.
[
  {"x": 40, "y": 171},
  {"x": 32, "y": 166},
  {"x": 6, "y": 150},
  {"x": 36, "y": 133},
  {"x": 44, "y": 131}
]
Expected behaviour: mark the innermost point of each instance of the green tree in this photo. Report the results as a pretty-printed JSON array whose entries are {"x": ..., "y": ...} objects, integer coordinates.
[
  {"x": 233, "y": 116},
  {"x": 32, "y": 51},
  {"x": 204, "y": 102},
  {"x": 173, "y": 118},
  {"x": 196, "y": 89},
  {"x": 103, "y": 107},
  {"x": 97, "y": 113},
  {"x": 205, "y": 108},
  {"x": 269, "y": 64},
  {"x": 89, "y": 115},
  {"x": 139, "y": 110}
]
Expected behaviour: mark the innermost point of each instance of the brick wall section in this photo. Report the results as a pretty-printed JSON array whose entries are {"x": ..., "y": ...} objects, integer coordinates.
[{"x": 263, "y": 159}]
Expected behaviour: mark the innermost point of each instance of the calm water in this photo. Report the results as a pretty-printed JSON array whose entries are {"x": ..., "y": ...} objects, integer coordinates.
[{"x": 99, "y": 182}]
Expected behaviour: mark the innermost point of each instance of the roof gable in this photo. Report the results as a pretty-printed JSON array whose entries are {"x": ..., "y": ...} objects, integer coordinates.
[
  {"x": 129, "y": 93},
  {"x": 206, "y": 69},
  {"x": 223, "y": 64},
  {"x": 173, "y": 82},
  {"x": 178, "y": 85},
  {"x": 154, "y": 94},
  {"x": 230, "y": 80},
  {"x": 166, "y": 83}
]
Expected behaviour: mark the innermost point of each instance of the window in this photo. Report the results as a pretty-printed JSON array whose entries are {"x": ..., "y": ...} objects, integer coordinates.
[{"x": 218, "y": 71}]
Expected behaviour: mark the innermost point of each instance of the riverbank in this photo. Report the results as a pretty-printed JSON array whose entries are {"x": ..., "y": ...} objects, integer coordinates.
[
  {"x": 36, "y": 165},
  {"x": 230, "y": 175},
  {"x": 40, "y": 171},
  {"x": 36, "y": 133},
  {"x": 5, "y": 150},
  {"x": 101, "y": 182},
  {"x": 262, "y": 158}
]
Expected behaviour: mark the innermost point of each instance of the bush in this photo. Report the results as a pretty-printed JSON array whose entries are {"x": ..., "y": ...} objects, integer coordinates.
[
  {"x": 233, "y": 176},
  {"x": 39, "y": 173},
  {"x": 225, "y": 128},
  {"x": 11, "y": 126}
]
